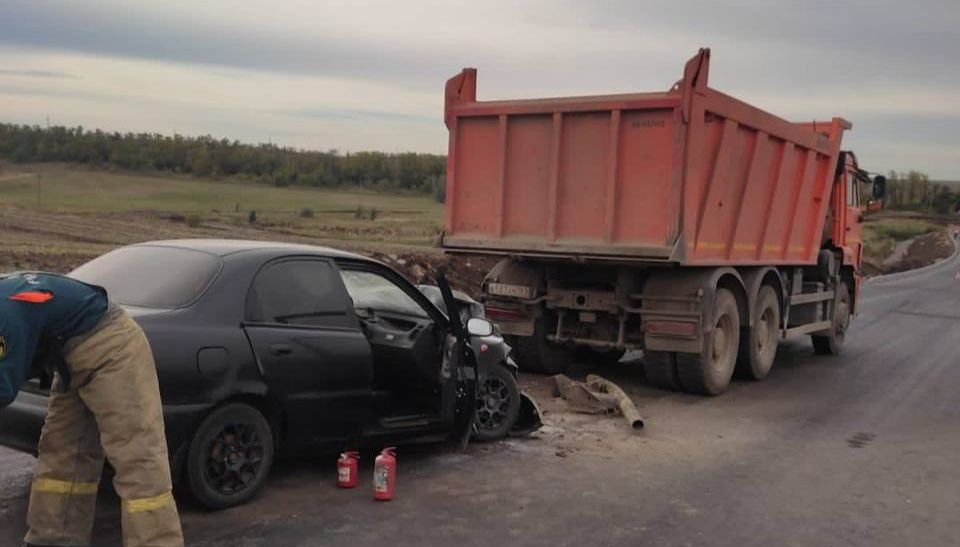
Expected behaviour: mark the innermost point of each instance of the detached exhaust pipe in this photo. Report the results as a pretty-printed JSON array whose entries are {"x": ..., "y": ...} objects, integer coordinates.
[{"x": 626, "y": 406}]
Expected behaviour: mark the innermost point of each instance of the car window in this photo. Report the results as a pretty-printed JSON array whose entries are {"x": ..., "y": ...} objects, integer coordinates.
[
  {"x": 296, "y": 292},
  {"x": 151, "y": 276},
  {"x": 372, "y": 291}
]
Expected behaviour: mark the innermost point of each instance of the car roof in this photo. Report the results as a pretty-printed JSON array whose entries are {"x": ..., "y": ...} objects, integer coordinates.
[{"x": 225, "y": 247}]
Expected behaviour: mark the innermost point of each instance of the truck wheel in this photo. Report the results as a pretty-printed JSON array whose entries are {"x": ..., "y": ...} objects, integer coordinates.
[
  {"x": 758, "y": 344},
  {"x": 602, "y": 356},
  {"x": 536, "y": 354},
  {"x": 230, "y": 456},
  {"x": 709, "y": 373},
  {"x": 830, "y": 344},
  {"x": 661, "y": 369}
]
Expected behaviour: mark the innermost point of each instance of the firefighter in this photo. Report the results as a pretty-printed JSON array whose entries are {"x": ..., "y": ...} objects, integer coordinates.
[{"x": 105, "y": 401}]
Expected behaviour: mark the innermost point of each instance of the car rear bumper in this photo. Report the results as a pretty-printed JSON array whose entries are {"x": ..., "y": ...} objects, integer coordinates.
[{"x": 22, "y": 421}]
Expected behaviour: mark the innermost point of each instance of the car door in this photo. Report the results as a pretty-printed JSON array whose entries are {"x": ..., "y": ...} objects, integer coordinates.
[
  {"x": 412, "y": 340},
  {"x": 461, "y": 359},
  {"x": 310, "y": 348}
]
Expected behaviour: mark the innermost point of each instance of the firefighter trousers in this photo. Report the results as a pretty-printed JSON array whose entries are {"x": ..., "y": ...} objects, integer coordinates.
[{"x": 111, "y": 408}]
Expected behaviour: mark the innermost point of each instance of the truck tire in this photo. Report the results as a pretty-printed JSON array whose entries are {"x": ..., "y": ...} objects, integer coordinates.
[
  {"x": 758, "y": 344},
  {"x": 536, "y": 354},
  {"x": 709, "y": 372},
  {"x": 832, "y": 342},
  {"x": 661, "y": 369},
  {"x": 607, "y": 357}
]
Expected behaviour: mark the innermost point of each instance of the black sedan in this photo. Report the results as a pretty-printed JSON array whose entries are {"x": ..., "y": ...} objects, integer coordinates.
[{"x": 261, "y": 346}]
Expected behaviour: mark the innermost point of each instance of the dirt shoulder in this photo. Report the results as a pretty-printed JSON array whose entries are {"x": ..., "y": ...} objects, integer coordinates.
[{"x": 912, "y": 254}]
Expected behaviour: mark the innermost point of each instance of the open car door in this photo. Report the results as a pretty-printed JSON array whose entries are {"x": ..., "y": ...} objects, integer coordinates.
[{"x": 463, "y": 365}]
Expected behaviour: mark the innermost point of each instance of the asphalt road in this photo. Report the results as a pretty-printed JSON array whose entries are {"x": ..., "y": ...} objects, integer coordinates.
[{"x": 860, "y": 449}]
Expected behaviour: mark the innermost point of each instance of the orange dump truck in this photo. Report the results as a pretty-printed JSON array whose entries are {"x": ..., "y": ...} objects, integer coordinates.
[{"x": 686, "y": 223}]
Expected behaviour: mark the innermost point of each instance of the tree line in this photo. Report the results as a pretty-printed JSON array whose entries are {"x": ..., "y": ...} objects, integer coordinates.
[
  {"x": 915, "y": 191},
  {"x": 206, "y": 156}
]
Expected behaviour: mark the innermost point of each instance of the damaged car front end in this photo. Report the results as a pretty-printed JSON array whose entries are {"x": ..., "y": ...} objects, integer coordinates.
[{"x": 502, "y": 408}]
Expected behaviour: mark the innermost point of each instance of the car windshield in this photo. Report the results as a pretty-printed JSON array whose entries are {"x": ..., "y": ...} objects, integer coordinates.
[
  {"x": 373, "y": 292},
  {"x": 468, "y": 307},
  {"x": 150, "y": 276}
]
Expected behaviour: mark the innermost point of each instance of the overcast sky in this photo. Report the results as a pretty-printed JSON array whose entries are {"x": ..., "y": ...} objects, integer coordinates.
[{"x": 361, "y": 75}]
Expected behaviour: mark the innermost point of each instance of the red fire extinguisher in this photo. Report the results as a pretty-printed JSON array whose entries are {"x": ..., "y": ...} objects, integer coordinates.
[
  {"x": 347, "y": 470},
  {"x": 384, "y": 474}
]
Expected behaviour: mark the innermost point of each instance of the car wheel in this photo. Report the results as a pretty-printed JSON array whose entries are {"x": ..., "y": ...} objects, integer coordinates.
[
  {"x": 498, "y": 404},
  {"x": 230, "y": 456}
]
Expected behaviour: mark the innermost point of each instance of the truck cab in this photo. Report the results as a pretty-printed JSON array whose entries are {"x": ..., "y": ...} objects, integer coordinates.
[{"x": 845, "y": 206}]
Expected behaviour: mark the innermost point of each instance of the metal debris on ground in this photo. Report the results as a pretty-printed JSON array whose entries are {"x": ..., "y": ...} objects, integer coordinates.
[
  {"x": 597, "y": 396},
  {"x": 624, "y": 404}
]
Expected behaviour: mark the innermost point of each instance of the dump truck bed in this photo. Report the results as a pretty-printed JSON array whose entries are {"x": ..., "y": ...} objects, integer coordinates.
[{"x": 687, "y": 176}]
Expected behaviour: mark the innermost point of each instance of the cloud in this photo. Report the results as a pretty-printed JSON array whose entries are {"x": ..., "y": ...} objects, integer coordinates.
[
  {"x": 366, "y": 74},
  {"x": 876, "y": 39},
  {"x": 35, "y": 73},
  {"x": 119, "y": 31},
  {"x": 367, "y": 115}
]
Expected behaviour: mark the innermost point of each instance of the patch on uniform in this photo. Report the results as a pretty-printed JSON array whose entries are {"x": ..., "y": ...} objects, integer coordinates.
[
  {"x": 33, "y": 297},
  {"x": 3, "y": 347}
]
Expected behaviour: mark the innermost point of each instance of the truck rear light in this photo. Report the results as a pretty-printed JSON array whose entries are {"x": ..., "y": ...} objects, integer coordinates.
[
  {"x": 680, "y": 329},
  {"x": 502, "y": 314}
]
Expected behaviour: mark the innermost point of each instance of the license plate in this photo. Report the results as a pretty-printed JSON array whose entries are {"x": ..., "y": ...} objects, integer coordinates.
[{"x": 515, "y": 291}]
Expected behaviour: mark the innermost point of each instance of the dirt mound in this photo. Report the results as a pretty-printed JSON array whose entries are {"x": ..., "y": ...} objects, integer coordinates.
[
  {"x": 921, "y": 251},
  {"x": 924, "y": 250},
  {"x": 465, "y": 273}
]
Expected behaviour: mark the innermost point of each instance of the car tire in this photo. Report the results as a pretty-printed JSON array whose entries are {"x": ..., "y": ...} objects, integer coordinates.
[
  {"x": 498, "y": 404},
  {"x": 230, "y": 456}
]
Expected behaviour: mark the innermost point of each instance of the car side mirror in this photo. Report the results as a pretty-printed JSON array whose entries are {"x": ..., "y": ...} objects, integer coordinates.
[
  {"x": 879, "y": 187},
  {"x": 479, "y": 327}
]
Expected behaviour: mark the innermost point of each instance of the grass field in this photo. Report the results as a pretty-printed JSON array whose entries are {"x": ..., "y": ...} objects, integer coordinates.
[
  {"x": 56, "y": 216},
  {"x": 80, "y": 190},
  {"x": 403, "y": 219}
]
